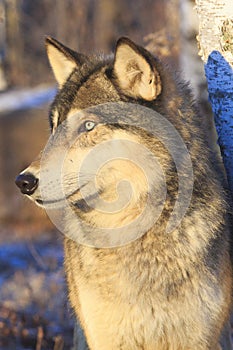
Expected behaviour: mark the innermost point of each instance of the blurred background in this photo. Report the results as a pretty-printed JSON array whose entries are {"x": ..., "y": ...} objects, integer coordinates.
[{"x": 34, "y": 312}]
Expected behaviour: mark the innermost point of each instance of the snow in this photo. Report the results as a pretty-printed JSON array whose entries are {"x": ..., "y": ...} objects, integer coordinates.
[
  {"x": 26, "y": 98},
  {"x": 33, "y": 295}
]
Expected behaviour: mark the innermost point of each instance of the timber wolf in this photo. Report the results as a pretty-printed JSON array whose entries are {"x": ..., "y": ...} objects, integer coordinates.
[{"x": 158, "y": 290}]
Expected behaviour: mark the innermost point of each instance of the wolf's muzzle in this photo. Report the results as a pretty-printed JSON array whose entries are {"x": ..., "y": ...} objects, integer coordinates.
[{"x": 27, "y": 183}]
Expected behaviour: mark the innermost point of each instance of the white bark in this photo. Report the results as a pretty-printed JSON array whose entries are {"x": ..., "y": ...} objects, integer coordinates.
[
  {"x": 216, "y": 49},
  {"x": 216, "y": 28}
]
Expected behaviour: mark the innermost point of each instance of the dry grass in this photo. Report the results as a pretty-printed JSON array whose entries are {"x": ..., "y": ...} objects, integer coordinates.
[{"x": 34, "y": 312}]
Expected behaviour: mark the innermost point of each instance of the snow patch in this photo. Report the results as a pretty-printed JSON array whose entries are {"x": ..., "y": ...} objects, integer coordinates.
[{"x": 26, "y": 98}]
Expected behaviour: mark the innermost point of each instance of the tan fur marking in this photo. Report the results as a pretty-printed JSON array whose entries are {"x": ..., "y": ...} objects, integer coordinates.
[{"x": 62, "y": 67}]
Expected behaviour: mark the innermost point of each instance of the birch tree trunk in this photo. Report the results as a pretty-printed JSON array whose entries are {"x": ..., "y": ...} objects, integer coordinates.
[
  {"x": 215, "y": 42},
  {"x": 216, "y": 49}
]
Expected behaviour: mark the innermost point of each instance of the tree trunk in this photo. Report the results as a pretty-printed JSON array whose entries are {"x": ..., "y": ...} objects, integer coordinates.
[
  {"x": 14, "y": 42},
  {"x": 215, "y": 41},
  {"x": 3, "y": 83},
  {"x": 216, "y": 49}
]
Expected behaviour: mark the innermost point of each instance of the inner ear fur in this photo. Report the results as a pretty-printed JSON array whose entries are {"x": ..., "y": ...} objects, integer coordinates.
[
  {"x": 135, "y": 71},
  {"x": 62, "y": 59}
]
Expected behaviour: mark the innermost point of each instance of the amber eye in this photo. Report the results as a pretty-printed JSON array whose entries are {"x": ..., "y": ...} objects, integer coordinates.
[{"x": 89, "y": 125}]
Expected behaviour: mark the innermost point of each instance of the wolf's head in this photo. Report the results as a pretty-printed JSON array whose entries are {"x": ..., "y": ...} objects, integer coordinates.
[
  {"x": 132, "y": 74},
  {"x": 104, "y": 137}
]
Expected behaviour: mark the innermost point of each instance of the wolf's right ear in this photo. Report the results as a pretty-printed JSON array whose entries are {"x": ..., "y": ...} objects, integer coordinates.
[{"x": 62, "y": 59}]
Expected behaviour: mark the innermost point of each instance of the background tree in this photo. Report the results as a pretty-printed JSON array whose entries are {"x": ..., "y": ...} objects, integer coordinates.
[
  {"x": 216, "y": 49},
  {"x": 84, "y": 25}
]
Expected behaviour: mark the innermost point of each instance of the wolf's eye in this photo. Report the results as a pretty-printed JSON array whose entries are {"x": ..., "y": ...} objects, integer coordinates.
[
  {"x": 89, "y": 125},
  {"x": 86, "y": 126}
]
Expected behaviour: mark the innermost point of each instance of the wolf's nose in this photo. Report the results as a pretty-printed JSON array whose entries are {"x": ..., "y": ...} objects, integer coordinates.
[{"x": 27, "y": 183}]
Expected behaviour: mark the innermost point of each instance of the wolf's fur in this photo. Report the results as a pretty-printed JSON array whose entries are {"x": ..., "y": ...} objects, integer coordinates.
[{"x": 162, "y": 291}]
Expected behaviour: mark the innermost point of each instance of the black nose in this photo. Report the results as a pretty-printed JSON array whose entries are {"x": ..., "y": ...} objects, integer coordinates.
[{"x": 27, "y": 183}]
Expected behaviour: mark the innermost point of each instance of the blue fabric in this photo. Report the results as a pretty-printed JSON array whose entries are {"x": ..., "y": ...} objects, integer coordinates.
[{"x": 219, "y": 75}]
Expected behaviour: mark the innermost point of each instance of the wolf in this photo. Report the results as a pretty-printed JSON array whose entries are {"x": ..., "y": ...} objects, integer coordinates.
[{"x": 152, "y": 289}]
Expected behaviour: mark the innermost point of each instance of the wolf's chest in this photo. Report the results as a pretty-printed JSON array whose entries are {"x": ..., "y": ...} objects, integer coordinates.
[{"x": 150, "y": 322}]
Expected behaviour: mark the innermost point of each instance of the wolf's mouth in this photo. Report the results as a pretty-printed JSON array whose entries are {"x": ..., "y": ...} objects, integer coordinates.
[
  {"x": 43, "y": 202},
  {"x": 81, "y": 203}
]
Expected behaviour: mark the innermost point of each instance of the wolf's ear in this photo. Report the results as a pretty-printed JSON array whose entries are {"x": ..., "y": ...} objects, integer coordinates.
[
  {"x": 135, "y": 71},
  {"x": 62, "y": 59}
]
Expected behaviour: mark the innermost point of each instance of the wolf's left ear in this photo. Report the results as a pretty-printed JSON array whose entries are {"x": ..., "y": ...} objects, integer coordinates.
[
  {"x": 135, "y": 71},
  {"x": 62, "y": 59}
]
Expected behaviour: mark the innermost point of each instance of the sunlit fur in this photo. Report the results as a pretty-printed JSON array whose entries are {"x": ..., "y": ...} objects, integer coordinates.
[{"x": 162, "y": 291}]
